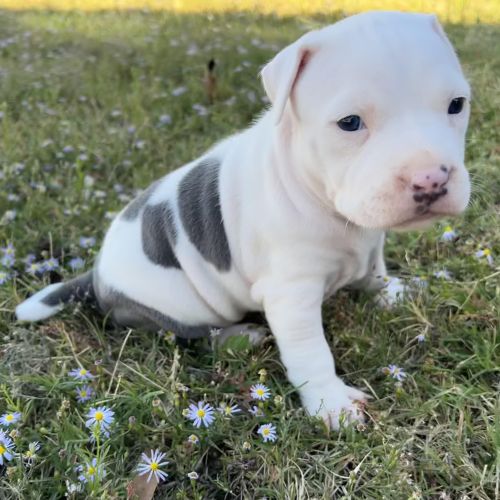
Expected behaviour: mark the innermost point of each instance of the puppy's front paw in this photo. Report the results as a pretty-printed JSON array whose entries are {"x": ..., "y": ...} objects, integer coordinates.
[
  {"x": 342, "y": 404},
  {"x": 392, "y": 292}
]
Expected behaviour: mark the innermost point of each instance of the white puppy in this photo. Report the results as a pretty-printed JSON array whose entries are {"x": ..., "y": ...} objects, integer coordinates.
[{"x": 365, "y": 134}]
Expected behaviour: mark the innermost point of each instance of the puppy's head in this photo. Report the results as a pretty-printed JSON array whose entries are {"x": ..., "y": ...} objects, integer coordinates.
[{"x": 375, "y": 109}]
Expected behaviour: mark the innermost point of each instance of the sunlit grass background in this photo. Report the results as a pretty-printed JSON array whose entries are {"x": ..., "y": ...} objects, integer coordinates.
[
  {"x": 470, "y": 11},
  {"x": 96, "y": 105}
]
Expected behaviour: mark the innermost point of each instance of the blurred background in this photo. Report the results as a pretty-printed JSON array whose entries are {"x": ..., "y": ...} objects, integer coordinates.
[{"x": 470, "y": 11}]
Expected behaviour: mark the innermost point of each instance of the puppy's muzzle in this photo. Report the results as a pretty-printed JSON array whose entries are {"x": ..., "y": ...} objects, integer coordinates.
[{"x": 428, "y": 186}]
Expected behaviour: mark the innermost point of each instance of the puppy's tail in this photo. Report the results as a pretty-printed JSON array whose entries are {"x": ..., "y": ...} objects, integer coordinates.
[{"x": 53, "y": 298}]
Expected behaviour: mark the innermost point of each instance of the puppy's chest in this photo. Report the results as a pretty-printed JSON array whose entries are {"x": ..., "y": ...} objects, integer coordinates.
[{"x": 348, "y": 266}]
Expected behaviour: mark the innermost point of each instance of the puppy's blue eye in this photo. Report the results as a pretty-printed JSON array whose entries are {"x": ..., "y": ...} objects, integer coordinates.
[
  {"x": 351, "y": 123},
  {"x": 456, "y": 105}
]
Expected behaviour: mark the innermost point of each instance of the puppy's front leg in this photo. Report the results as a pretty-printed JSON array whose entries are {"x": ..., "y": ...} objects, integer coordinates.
[
  {"x": 390, "y": 289},
  {"x": 293, "y": 311}
]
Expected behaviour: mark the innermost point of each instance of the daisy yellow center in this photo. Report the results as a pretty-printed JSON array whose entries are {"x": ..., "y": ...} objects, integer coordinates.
[
  {"x": 29, "y": 453},
  {"x": 9, "y": 418},
  {"x": 99, "y": 415},
  {"x": 448, "y": 229},
  {"x": 486, "y": 251},
  {"x": 200, "y": 413},
  {"x": 227, "y": 409},
  {"x": 154, "y": 466},
  {"x": 2, "y": 450},
  {"x": 91, "y": 471},
  {"x": 83, "y": 394},
  {"x": 266, "y": 431},
  {"x": 260, "y": 392},
  {"x": 83, "y": 372}
]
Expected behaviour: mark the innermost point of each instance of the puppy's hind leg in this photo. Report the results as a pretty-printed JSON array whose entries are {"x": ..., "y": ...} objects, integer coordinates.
[{"x": 255, "y": 333}]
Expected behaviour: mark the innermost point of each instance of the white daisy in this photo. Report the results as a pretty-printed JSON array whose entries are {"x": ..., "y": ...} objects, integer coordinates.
[
  {"x": 444, "y": 274},
  {"x": 200, "y": 413},
  {"x": 90, "y": 471},
  {"x": 151, "y": 464},
  {"x": 268, "y": 432},
  {"x": 100, "y": 417},
  {"x": 84, "y": 393},
  {"x": 396, "y": 372},
  {"x": 228, "y": 410},
  {"x": 485, "y": 253},
  {"x": 193, "y": 439},
  {"x": 31, "y": 454},
  {"x": 448, "y": 234},
  {"x": 81, "y": 374},
  {"x": 260, "y": 392},
  {"x": 6, "y": 448},
  {"x": 10, "y": 418}
]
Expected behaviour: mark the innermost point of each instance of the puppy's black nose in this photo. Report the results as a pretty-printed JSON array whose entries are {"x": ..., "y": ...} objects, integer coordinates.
[{"x": 429, "y": 185}]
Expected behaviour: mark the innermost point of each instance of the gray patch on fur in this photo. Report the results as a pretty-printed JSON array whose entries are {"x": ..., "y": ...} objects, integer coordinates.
[
  {"x": 128, "y": 312},
  {"x": 133, "y": 209},
  {"x": 201, "y": 215},
  {"x": 77, "y": 289},
  {"x": 159, "y": 235}
]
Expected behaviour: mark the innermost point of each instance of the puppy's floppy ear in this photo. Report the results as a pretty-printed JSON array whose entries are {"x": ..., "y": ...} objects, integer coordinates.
[
  {"x": 436, "y": 26},
  {"x": 280, "y": 74}
]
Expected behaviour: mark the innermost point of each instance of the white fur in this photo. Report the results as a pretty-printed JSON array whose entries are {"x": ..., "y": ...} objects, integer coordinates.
[
  {"x": 33, "y": 309},
  {"x": 305, "y": 204}
]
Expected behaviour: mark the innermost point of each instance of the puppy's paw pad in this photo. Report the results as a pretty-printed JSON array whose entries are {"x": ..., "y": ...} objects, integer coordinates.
[
  {"x": 392, "y": 293},
  {"x": 343, "y": 404},
  {"x": 347, "y": 413}
]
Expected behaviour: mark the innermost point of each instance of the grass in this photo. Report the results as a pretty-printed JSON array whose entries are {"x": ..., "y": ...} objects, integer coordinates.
[{"x": 99, "y": 83}]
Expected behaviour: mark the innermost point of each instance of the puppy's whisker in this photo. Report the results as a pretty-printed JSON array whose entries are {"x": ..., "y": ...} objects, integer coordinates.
[{"x": 346, "y": 225}]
